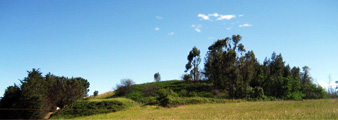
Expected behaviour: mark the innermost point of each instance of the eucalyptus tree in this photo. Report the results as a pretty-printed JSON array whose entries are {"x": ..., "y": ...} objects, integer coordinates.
[
  {"x": 222, "y": 63},
  {"x": 194, "y": 60}
]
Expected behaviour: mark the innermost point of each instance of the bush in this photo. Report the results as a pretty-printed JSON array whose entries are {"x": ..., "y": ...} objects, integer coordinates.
[
  {"x": 149, "y": 90},
  {"x": 258, "y": 93},
  {"x": 204, "y": 94},
  {"x": 86, "y": 108},
  {"x": 164, "y": 96},
  {"x": 149, "y": 100},
  {"x": 183, "y": 93},
  {"x": 296, "y": 95},
  {"x": 126, "y": 86}
]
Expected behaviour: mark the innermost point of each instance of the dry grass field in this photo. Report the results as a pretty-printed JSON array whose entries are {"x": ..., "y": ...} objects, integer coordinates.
[{"x": 306, "y": 109}]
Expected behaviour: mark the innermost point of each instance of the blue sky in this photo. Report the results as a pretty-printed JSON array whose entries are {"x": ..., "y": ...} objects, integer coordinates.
[{"x": 106, "y": 41}]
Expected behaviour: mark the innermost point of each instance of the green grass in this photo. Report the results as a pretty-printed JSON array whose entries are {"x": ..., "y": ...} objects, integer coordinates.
[
  {"x": 95, "y": 106},
  {"x": 307, "y": 109}
]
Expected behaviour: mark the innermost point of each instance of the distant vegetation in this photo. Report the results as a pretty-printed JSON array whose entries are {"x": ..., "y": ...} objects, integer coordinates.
[
  {"x": 38, "y": 95},
  {"x": 230, "y": 74}
]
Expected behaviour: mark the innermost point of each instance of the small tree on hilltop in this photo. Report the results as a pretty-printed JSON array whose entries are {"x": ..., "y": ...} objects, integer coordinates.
[
  {"x": 96, "y": 93},
  {"x": 157, "y": 77}
]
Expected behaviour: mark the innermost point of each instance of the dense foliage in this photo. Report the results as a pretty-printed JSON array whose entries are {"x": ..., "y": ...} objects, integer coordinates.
[
  {"x": 38, "y": 95},
  {"x": 230, "y": 68}
]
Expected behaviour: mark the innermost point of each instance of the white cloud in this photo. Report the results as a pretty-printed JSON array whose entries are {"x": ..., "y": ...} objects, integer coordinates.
[
  {"x": 171, "y": 33},
  {"x": 228, "y": 17},
  {"x": 197, "y": 27},
  {"x": 210, "y": 38},
  {"x": 204, "y": 17},
  {"x": 157, "y": 28},
  {"x": 240, "y": 15},
  {"x": 159, "y": 17},
  {"x": 214, "y": 15},
  {"x": 228, "y": 28},
  {"x": 245, "y": 25}
]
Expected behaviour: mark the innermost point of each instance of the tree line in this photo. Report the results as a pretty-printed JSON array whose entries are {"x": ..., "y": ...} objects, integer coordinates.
[
  {"x": 37, "y": 95},
  {"x": 234, "y": 70}
]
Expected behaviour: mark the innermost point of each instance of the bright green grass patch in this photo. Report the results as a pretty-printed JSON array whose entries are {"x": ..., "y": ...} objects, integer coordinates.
[
  {"x": 95, "y": 106},
  {"x": 307, "y": 109}
]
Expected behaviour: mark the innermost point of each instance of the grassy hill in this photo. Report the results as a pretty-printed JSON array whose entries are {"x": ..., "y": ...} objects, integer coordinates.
[{"x": 142, "y": 102}]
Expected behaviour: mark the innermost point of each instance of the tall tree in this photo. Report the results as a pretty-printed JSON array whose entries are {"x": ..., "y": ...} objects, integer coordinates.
[
  {"x": 305, "y": 76},
  {"x": 194, "y": 60},
  {"x": 34, "y": 95},
  {"x": 221, "y": 65}
]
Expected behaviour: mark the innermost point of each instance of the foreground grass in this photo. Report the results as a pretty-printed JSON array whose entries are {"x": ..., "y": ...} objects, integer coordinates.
[{"x": 307, "y": 109}]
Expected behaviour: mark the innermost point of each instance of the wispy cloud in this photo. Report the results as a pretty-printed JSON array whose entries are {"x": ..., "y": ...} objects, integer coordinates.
[
  {"x": 159, "y": 17},
  {"x": 244, "y": 25},
  {"x": 240, "y": 15},
  {"x": 171, "y": 33},
  {"x": 203, "y": 16},
  {"x": 216, "y": 16},
  {"x": 156, "y": 28},
  {"x": 228, "y": 28},
  {"x": 210, "y": 38},
  {"x": 228, "y": 17},
  {"x": 197, "y": 27}
]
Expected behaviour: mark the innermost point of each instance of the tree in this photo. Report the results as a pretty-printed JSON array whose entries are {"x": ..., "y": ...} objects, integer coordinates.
[
  {"x": 96, "y": 93},
  {"x": 157, "y": 77},
  {"x": 10, "y": 100},
  {"x": 41, "y": 94},
  {"x": 222, "y": 64},
  {"x": 64, "y": 91},
  {"x": 193, "y": 61},
  {"x": 305, "y": 76},
  {"x": 34, "y": 95},
  {"x": 187, "y": 77}
]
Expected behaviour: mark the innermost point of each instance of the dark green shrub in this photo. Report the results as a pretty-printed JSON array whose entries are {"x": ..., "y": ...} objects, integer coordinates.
[
  {"x": 204, "y": 94},
  {"x": 149, "y": 90},
  {"x": 183, "y": 93},
  {"x": 86, "y": 108},
  {"x": 164, "y": 95},
  {"x": 258, "y": 93},
  {"x": 126, "y": 86}
]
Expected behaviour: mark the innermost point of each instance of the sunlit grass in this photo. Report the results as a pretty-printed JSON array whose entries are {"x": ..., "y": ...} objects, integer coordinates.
[{"x": 307, "y": 109}]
